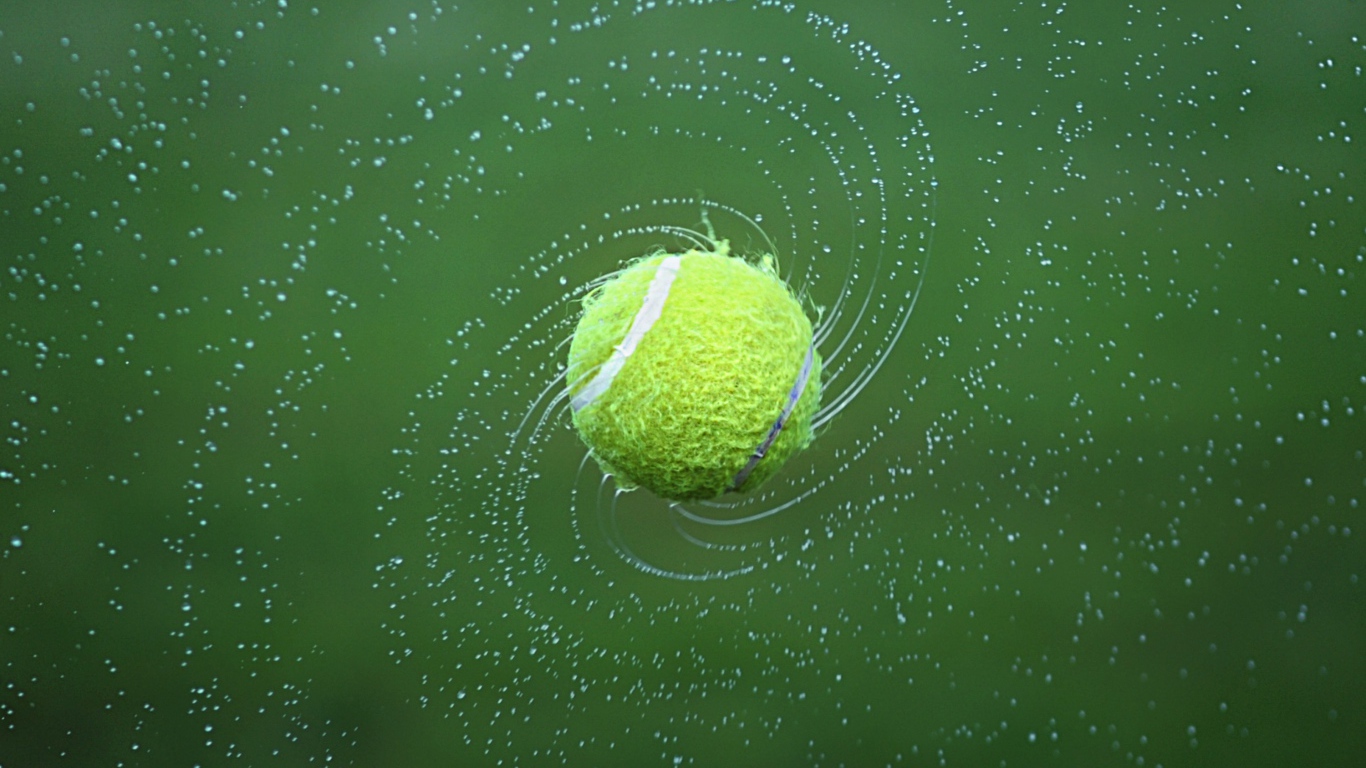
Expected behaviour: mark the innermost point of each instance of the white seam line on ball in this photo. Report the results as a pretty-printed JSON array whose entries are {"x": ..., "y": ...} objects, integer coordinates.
[
  {"x": 650, "y": 310},
  {"x": 793, "y": 396}
]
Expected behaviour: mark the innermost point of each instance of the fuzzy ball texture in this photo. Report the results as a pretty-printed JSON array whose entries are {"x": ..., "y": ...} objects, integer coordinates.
[{"x": 682, "y": 368}]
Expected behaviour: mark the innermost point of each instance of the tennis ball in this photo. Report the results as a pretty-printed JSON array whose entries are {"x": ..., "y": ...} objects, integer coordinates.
[{"x": 693, "y": 374}]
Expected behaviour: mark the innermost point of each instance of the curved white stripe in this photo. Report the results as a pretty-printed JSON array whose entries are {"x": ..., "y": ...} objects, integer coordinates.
[
  {"x": 792, "y": 397},
  {"x": 650, "y": 309}
]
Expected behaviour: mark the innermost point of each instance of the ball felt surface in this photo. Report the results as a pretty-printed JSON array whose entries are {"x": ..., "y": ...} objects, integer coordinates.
[{"x": 693, "y": 374}]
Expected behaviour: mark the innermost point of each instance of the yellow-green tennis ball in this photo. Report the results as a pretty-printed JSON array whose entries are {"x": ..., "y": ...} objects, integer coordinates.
[{"x": 694, "y": 374}]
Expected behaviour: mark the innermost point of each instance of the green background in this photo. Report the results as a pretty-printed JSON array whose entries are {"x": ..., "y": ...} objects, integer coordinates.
[{"x": 284, "y": 295}]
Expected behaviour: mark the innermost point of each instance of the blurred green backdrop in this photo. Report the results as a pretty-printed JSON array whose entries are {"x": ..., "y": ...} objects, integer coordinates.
[{"x": 285, "y": 286}]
